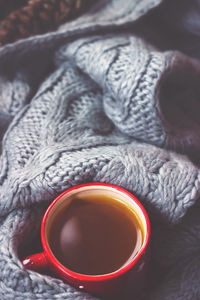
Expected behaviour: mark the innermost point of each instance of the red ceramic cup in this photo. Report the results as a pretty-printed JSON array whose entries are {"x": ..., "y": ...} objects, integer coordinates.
[{"x": 130, "y": 276}]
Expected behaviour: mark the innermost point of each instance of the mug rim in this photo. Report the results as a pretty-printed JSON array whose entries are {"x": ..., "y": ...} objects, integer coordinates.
[{"x": 103, "y": 277}]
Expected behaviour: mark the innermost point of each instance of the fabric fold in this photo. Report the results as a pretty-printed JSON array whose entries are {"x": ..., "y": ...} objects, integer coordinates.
[{"x": 147, "y": 93}]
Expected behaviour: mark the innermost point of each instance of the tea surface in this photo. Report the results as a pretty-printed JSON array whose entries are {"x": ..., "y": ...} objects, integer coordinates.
[{"x": 96, "y": 235}]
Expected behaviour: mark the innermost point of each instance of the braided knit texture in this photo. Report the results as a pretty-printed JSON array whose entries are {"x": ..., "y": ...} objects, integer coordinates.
[{"x": 94, "y": 101}]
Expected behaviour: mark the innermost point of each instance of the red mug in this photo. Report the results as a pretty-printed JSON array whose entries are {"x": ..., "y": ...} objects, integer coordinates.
[{"x": 130, "y": 277}]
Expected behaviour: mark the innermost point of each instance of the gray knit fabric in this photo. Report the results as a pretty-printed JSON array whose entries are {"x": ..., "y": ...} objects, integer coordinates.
[{"x": 109, "y": 98}]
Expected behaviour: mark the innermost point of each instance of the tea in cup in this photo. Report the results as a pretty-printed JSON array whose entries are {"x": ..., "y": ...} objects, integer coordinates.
[{"x": 95, "y": 237}]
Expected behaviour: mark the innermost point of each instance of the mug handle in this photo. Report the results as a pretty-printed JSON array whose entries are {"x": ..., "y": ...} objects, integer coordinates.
[{"x": 36, "y": 262}]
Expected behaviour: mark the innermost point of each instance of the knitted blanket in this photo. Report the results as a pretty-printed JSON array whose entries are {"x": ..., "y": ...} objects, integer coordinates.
[{"x": 113, "y": 96}]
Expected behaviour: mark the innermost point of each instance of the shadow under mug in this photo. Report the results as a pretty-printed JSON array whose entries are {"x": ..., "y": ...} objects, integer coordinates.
[{"x": 130, "y": 276}]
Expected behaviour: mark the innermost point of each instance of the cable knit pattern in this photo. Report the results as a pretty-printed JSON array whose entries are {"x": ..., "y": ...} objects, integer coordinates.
[
  {"x": 133, "y": 84},
  {"x": 91, "y": 102}
]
